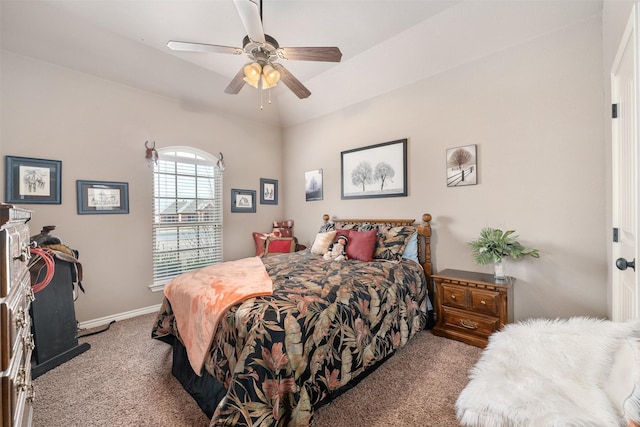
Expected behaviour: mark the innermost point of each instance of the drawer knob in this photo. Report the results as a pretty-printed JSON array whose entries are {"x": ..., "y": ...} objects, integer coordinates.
[
  {"x": 453, "y": 297},
  {"x": 21, "y": 318},
  {"x": 468, "y": 324},
  {"x": 31, "y": 393},
  {"x": 483, "y": 302}
]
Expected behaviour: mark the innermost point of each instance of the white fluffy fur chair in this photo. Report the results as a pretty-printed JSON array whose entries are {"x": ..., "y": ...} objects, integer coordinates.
[{"x": 574, "y": 372}]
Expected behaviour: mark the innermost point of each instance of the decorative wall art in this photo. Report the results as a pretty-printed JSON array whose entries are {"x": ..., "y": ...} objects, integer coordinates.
[
  {"x": 375, "y": 171},
  {"x": 462, "y": 168},
  {"x": 102, "y": 197},
  {"x": 268, "y": 191},
  {"x": 243, "y": 201},
  {"x": 313, "y": 185},
  {"x": 30, "y": 180}
]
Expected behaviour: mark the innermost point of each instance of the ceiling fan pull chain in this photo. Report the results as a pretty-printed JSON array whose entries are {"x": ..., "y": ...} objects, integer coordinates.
[{"x": 260, "y": 89}]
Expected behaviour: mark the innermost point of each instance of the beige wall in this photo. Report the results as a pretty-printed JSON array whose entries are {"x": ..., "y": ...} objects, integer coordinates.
[
  {"x": 98, "y": 129},
  {"x": 538, "y": 112},
  {"x": 535, "y": 112}
]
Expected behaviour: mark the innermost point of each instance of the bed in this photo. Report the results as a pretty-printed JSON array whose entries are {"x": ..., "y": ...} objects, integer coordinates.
[{"x": 273, "y": 359}]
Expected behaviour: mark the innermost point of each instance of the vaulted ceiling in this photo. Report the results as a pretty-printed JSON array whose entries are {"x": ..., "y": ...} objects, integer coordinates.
[{"x": 385, "y": 44}]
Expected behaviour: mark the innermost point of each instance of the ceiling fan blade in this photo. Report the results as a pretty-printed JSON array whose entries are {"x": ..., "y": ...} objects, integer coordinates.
[
  {"x": 326, "y": 54},
  {"x": 236, "y": 84},
  {"x": 251, "y": 20},
  {"x": 291, "y": 82},
  {"x": 202, "y": 47}
]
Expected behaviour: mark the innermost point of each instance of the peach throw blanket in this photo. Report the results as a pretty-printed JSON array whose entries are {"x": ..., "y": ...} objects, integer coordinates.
[{"x": 201, "y": 297}]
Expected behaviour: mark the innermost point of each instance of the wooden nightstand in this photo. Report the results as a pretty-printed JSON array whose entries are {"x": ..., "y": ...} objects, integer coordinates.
[{"x": 471, "y": 306}]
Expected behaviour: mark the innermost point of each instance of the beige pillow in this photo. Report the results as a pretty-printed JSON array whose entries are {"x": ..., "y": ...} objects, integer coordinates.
[{"x": 322, "y": 242}]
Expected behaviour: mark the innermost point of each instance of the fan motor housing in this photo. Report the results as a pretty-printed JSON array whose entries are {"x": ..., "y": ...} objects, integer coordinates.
[{"x": 261, "y": 51}]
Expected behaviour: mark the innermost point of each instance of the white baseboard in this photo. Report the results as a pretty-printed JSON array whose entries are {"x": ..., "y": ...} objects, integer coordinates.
[{"x": 120, "y": 316}]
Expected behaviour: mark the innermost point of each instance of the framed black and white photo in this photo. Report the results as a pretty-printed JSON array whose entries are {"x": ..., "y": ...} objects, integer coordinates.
[
  {"x": 375, "y": 171},
  {"x": 102, "y": 197},
  {"x": 462, "y": 168},
  {"x": 30, "y": 180},
  {"x": 243, "y": 200},
  {"x": 313, "y": 185},
  {"x": 268, "y": 191}
]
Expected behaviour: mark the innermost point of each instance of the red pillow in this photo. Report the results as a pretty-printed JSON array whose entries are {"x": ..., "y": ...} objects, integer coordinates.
[
  {"x": 361, "y": 245},
  {"x": 261, "y": 239},
  {"x": 342, "y": 232},
  {"x": 280, "y": 245}
]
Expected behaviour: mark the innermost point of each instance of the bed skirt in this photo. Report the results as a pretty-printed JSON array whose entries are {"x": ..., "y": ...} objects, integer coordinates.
[{"x": 207, "y": 391}]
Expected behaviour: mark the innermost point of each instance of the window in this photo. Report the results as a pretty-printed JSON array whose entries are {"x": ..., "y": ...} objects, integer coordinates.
[{"x": 187, "y": 213}]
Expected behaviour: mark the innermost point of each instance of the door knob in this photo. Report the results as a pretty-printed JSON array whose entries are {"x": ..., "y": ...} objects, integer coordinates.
[{"x": 622, "y": 264}]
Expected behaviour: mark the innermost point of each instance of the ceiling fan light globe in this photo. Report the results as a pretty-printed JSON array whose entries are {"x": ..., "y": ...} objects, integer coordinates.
[
  {"x": 270, "y": 75},
  {"x": 266, "y": 84},
  {"x": 253, "y": 83},
  {"x": 252, "y": 73}
]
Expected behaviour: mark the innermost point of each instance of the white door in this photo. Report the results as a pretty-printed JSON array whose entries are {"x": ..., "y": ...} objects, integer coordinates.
[{"x": 624, "y": 95}]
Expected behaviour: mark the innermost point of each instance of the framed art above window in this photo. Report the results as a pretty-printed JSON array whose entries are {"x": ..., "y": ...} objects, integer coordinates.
[
  {"x": 102, "y": 197},
  {"x": 30, "y": 180},
  {"x": 268, "y": 191},
  {"x": 375, "y": 171}
]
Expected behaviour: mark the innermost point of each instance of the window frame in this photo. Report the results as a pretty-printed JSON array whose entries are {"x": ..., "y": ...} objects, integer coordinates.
[{"x": 204, "y": 224}]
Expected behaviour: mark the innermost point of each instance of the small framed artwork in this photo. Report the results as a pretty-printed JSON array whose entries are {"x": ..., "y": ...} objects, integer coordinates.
[
  {"x": 268, "y": 191},
  {"x": 375, "y": 171},
  {"x": 462, "y": 168},
  {"x": 243, "y": 200},
  {"x": 30, "y": 180},
  {"x": 102, "y": 197},
  {"x": 313, "y": 185}
]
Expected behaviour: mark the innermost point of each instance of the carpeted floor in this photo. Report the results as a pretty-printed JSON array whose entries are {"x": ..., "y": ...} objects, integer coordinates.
[{"x": 125, "y": 380}]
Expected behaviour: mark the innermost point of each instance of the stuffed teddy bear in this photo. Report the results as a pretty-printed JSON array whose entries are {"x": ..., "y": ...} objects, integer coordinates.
[{"x": 338, "y": 250}]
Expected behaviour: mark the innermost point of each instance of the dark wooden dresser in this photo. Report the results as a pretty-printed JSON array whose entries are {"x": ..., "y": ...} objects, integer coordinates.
[
  {"x": 471, "y": 306},
  {"x": 16, "y": 341}
]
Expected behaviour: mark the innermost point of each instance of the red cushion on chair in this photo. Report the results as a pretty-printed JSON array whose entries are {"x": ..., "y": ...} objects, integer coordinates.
[
  {"x": 361, "y": 244},
  {"x": 279, "y": 245},
  {"x": 260, "y": 240}
]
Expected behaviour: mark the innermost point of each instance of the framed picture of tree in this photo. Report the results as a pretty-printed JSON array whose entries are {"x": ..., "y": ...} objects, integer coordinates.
[
  {"x": 375, "y": 171},
  {"x": 462, "y": 168},
  {"x": 313, "y": 185}
]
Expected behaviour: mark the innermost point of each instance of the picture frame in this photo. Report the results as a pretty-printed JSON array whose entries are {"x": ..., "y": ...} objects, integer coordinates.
[
  {"x": 313, "y": 185},
  {"x": 243, "y": 201},
  {"x": 375, "y": 171},
  {"x": 268, "y": 191},
  {"x": 461, "y": 165},
  {"x": 30, "y": 180},
  {"x": 102, "y": 197}
]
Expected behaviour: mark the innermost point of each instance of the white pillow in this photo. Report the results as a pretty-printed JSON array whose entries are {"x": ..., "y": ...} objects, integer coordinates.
[{"x": 322, "y": 242}]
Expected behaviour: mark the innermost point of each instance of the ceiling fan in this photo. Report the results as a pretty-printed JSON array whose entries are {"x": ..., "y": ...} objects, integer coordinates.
[{"x": 264, "y": 51}]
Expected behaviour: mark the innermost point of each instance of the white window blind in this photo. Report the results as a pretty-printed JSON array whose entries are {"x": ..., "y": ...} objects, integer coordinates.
[{"x": 187, "y": 213}]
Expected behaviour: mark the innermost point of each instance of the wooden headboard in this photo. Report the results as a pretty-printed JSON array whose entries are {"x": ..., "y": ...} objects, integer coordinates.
[{"x": 424, "y": 235}]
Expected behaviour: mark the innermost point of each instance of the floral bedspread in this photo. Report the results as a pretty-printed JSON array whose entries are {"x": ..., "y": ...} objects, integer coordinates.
[{"x": 325, "y": 324}]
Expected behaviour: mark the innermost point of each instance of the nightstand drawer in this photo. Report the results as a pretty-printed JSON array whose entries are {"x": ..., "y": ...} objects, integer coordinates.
[
  {"x": 469, "y": 322},
  {"x": 454, "y": 296},
  {"x": 471, "y": 306},
  {"x": 485, "y": 302}
]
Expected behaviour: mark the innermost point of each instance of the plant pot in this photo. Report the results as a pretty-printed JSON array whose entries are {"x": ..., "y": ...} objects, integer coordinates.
[{"x": 498, "y": 270}]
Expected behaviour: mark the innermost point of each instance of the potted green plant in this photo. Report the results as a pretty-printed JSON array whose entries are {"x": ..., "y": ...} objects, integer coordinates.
[{"x": 494, "y": 245}]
